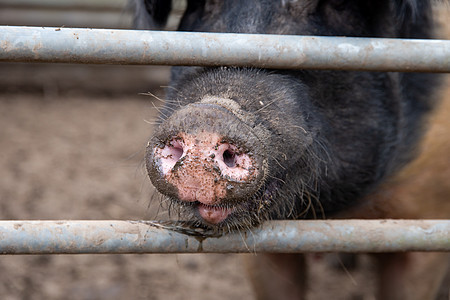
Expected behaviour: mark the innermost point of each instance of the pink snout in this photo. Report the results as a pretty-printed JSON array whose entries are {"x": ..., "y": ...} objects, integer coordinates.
[{"x": 207, "y": 169}]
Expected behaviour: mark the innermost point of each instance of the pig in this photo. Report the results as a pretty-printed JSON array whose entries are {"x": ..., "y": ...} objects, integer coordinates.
[
  {"x": 238, "y": 146},
  {"x": 241, "y": 145}
]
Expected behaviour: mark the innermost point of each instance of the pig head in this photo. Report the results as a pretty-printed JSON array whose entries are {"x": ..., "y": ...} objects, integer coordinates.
[{"x": 238, "y": 146}]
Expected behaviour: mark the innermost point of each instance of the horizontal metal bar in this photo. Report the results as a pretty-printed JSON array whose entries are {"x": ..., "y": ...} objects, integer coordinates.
[
  {"x": 76, "y": 237},
  {"x": 102, "y": 46}
]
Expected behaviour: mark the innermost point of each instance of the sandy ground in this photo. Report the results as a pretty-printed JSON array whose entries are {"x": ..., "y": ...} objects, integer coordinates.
[
  {"x": 81, "y": 158},
  {"x": 72, "y": 147}
]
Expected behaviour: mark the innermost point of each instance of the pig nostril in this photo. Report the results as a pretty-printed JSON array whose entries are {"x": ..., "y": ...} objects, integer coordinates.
[
  {"x": 176, "y": 150},
  {"x": 168, "y": 156},
  {"x": 229, "y": 158},
  {"x": 176, "y": 153}
]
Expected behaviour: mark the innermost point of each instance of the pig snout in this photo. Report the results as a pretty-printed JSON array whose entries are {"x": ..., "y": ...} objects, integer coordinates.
[
  {"x": 210, "y": 151},
  {"x": 206, "y": 164},
  {"x": 205, "y": 169}
]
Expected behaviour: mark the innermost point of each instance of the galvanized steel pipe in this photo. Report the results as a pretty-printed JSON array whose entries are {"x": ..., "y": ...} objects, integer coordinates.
[
  {"x": 103, "y": 46},
  {"x": 76, "y": 237}
]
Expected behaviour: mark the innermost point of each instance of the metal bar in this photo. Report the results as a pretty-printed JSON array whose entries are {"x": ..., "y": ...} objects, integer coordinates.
[
  {"x": 99, "y": 46},
  {"x": 77, "y": 237}
]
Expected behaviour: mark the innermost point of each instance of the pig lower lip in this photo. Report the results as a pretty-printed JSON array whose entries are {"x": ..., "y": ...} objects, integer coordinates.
[{"x": 213, "y": 214}]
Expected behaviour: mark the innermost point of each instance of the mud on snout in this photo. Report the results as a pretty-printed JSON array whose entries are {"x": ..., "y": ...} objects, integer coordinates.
[{"x": 208, "y": 160}]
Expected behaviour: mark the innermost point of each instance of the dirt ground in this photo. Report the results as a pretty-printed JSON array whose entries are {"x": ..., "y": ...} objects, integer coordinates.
[
  {"x": 72, "y": 141},
  {"x": 80, "y": 157}
]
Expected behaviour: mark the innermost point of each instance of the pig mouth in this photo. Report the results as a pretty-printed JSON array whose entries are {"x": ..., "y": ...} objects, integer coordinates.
[
  {"x": 210, "y": 215},
  {"x": 213, "y": 214},
  {"x": 231, "y": 215},
  {"x": 219, "y": 216}
]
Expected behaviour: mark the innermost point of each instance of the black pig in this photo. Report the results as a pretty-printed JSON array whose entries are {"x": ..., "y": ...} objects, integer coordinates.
[{"x": 238, "y": 146}]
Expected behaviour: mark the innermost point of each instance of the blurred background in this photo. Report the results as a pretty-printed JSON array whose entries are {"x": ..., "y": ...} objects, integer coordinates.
[{"x": 72, "y": 142}]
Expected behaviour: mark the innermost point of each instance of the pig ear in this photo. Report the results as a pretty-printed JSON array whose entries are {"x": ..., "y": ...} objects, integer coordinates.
[{"x": 151, "y": 14}]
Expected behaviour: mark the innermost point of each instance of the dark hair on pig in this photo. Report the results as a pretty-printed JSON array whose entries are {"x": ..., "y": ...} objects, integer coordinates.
[{"x": 151, "y": 14}]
